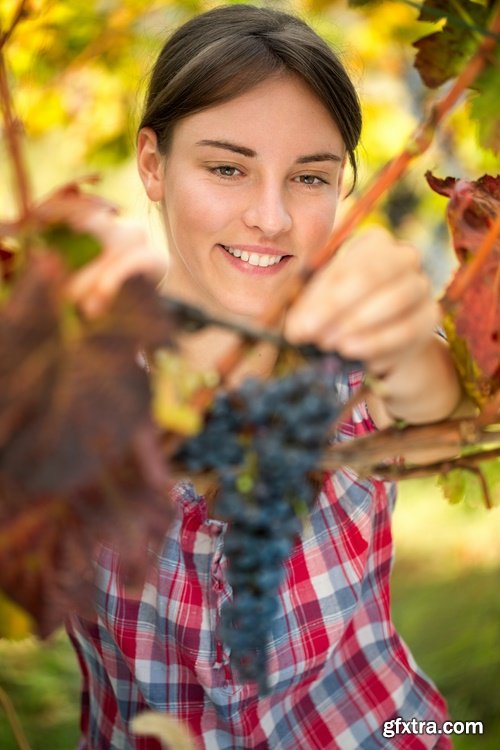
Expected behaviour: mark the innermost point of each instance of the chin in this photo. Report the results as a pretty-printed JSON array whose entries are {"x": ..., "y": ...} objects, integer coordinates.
[{"x": 247, "y": 309}]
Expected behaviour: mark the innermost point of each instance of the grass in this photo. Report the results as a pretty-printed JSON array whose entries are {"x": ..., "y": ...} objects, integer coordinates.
[
  {"x": 42, "y": 682},
  {"x": 446, "y": 605}
]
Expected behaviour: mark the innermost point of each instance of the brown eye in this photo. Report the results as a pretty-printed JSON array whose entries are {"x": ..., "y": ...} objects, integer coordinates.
[
  {"x": 311, "y": 180},
  {"x": 225, "y": 171}
]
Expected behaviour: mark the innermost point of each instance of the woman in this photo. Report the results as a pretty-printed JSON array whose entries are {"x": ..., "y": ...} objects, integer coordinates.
[{"x": 249, "y": 123}]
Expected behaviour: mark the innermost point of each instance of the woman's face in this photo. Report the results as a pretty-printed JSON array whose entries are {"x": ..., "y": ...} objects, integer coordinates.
[{"x": 249, "y": 190}]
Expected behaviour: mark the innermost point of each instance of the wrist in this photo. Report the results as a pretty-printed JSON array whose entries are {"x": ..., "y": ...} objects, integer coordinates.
[{"x": 423, "y": 386}]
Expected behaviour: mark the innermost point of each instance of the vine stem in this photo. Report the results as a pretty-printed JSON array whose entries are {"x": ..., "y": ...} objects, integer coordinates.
[
  {"x": 13, "y": 138},
  {"x": 385, "y": 179},
  {"x": 465, "y": 277},
  {"x": 20, "y": 13},
  {"x": 370, "y": 450},
  {"x": 12, "y": 128},
  {"x": 466, "y": 463},
  {"x": 13, "y": 720}
]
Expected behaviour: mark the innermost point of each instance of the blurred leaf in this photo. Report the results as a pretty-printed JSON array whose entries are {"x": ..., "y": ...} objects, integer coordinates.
[
  {"x": 484, "y": 107},
  {"x": 442, "y": 54},
  {"x": 472, "y": 323},
  {"x": 15, "y": 623},
  {"x": 79, "y": 457},
  {"x": 460, "y": 485},
  {"x": 172, "y": 734},
  {"x": 174, "y": 385},
  {"x": 363, "y": 3},
  {"x": 111, "y": 152},
  {"x": 77, "y": 248}
]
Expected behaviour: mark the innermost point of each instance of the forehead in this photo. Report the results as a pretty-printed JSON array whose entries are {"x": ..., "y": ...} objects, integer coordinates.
[{"x": 281, "y": 112}]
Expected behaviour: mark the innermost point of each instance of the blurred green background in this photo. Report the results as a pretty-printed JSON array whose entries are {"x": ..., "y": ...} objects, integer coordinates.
[{"x": 77, "y": 70}]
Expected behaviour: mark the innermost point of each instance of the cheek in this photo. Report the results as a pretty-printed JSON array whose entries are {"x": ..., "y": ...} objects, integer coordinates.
[
  {"x": 196, "y": 210},
  {"x": 316, "y": 224}
]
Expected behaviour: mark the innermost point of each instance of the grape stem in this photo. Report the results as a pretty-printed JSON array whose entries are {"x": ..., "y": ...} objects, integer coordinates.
[
  {"x": 14, "y": 140},
  {"x": 12, "y": 126},
  {"x": 21, "y": 12},
  {"x": 395, "y": 472}
]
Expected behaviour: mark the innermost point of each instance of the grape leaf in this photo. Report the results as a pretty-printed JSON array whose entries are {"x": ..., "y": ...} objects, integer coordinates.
[
  {"x": 460, "y": 485},
  {"x": 472, "y": 323},
  {"x": 76, "y": 248},
  {"x": 484, "y": 107},
  {"x": 60, "y": 222},
  {"x": 169, "y": 731},
  {"x": 442, "y": 54},
  {"x": 8, "y": 263},
  {"x": 80, "y": 459},
  {"x": 48, "y": 542}
]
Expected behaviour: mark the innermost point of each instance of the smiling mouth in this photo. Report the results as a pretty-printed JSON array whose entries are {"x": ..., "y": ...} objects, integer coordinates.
[{"x": 254, "y": 259}]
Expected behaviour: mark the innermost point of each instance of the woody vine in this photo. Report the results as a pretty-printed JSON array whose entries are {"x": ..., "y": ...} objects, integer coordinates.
[{"x": 91, "y": 469}]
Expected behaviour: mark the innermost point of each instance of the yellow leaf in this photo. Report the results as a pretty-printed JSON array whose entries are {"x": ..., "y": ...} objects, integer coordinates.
[{"x": 169, "y": 731}]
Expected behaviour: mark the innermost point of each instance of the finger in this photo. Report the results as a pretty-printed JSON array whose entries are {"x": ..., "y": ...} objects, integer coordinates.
[
  {"x": 395, "y": 340},
  {"x": 345, "y": 284},
  {"x": 94, "y": 287},
  {"x": 389, "y": 303}
]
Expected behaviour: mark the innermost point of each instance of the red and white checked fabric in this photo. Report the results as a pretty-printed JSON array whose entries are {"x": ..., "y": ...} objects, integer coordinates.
[{"x": 338, "y": 669}]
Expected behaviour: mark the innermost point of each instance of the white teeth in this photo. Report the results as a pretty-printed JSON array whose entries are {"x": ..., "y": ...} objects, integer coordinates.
[{"x": 254, "y": 259}]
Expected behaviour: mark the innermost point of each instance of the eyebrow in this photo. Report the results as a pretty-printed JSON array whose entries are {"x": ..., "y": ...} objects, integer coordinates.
[
  {"x": 323, "y": 156},
  {"x": 234, "y": 147},
  {"x": 244, "y": 151}
]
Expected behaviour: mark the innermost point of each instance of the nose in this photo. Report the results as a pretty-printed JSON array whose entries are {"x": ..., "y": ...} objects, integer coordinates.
[{"x": 267, "y": 210}]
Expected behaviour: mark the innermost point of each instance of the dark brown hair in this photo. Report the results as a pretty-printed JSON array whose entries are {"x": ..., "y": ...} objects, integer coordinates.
[{"x": 226, "y": 51}]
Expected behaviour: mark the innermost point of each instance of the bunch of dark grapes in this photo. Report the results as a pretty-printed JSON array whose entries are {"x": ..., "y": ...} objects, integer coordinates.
[{"x": 263, "y": 439}]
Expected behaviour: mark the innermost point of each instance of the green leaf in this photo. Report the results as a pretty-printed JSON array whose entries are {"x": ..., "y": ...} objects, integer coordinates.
[
  {"x": 484, "y": 108},
  {"x": 442, "y": 54},
  {"x": 461, "y": 485},
  {"x": 77, "y": 248},
  {"x": 362, "y": 3}
]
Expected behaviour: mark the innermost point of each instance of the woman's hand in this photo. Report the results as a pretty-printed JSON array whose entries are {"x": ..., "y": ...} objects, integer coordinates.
[
  {"x": 127, "y": 250},
  {"x": 373, "y": 303}
]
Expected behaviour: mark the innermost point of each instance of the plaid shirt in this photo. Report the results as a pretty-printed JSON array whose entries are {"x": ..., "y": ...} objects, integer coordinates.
[{"x": 338, "y": 668}]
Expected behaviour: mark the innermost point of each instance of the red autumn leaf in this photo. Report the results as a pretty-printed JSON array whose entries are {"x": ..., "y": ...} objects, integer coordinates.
[
  {"x": 80, "y": 460},
  {"x": 472, "y": 316},
  {"x": 48, "y": 542},
  {"x": 8, "y": 263}
]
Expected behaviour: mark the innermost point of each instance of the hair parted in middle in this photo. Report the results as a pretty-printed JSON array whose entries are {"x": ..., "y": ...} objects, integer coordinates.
[{"x": 228, "y": 50}]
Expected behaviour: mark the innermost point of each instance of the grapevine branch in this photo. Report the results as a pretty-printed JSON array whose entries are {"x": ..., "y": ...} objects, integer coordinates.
[
  {"x": 452, "y": 433},
  {"x": 14, "y": 141},
  {"x": 397, "y": 473},
  {"x": 21, "y": 12},
  {"x": 12, "y": 126}
]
